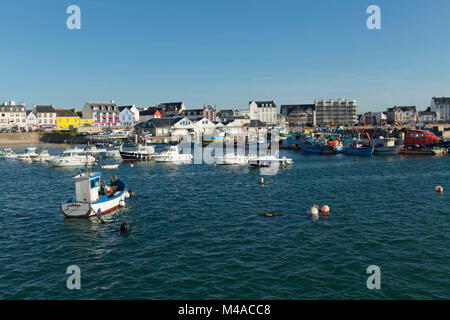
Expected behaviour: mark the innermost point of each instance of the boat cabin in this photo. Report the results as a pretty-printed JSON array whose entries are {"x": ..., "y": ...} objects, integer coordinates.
[
  {"x": 87, "y": 186},
  {"x": 420, "y": 137}
]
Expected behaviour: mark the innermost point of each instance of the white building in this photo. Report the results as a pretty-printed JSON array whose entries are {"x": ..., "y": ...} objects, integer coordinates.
[
  {"x": 12, "y": 115},
  {"x": 126, "y": 117},
  {"x": 31, "y": 120},
  {"x": 104, "y": 113},
  {"x": 183, "y": 127},
  {"x": 442, "y": 108},
  {"x": 46, "y": 115},
  {"x": 204, "y": 126},
  {"x": 264, "y": 111}
]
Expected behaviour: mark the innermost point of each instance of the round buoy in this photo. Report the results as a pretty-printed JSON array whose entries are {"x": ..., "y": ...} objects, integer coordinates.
[
  {"x": 122, "y": 203},
  {"x": 131, "y": 165},
  {"x": 261, "y": 182},
  {"x": 439, "y": 189},
  {"x": 131, "y": 193},
  {"x": 125, "y": 227},
  {"x": 325, "y": 210},
  {"x": 127, "y": 194},
  {"x": 314, "y": 210}
]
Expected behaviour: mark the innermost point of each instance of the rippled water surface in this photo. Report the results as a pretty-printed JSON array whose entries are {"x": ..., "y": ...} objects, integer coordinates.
[{"x": 196, "y": 232}]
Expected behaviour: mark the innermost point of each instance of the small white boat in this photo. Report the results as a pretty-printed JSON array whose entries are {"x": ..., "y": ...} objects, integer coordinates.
[
  {"x": 269, "y": 160},
  {"x": 43, "y": 156},
  {"x": 172, "y": 154},
  {"x": 110, "y": 166},
  {"x": 28, "y": 155},
  {"x": 232, "y": 158},
  {"x": 94, "y": 197},
  {"x": 72, "y": 158},
  {"x": 8, "y": 154}
]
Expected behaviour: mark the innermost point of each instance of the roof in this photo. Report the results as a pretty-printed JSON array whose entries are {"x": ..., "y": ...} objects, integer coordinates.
[
  {"x": 263, "y": 104},
  {"x": 65, "y": 113},
  {"x": 443, "y": 100},
  {"x": 403, "y": 108},
  {"x": 170, "y": 106},
  {"x": 163, "y": 122},
  {"x": 192, "y": 112},
  {"x": 121, "y": 108},
  {"x": 148, "y": 112},
  {"x": 45, "y": 109}
]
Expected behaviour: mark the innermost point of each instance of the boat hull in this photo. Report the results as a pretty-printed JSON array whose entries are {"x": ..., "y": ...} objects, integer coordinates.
[
  {"x": 365, "y": 152},
  {"x": 134, "y": 156},
  {"x": 74, "y": 209},
  {"x": 387, "y": 150}
]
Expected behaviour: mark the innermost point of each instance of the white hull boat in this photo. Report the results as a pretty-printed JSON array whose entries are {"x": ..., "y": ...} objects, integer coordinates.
[
  {"x": 8, "y": 154},
  {"x": 268, "y": 161},
  {"x": 28, "y": 155},
  {"x": 172, "y": 154},
  {"x": 93, "y": 197},
  {"x": 72, "y": 158},
  {"x": 232, "y": 159},
  {"x": 114, "y": 154},
  {"x": 44, "y": 156}
]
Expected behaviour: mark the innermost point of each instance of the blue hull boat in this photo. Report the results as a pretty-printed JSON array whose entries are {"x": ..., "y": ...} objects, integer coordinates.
[
  {"x": 360, "y": 151},
  {"x": 308, "y": 148}
]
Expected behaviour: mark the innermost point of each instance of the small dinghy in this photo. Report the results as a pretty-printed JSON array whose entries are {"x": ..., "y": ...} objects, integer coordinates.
[
  {"x": 93, "y": 197},
  {"x": 110, "y": 166}
]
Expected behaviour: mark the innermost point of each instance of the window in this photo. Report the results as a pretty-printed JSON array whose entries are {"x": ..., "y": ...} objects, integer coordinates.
[{"x": 95, "y": 182}]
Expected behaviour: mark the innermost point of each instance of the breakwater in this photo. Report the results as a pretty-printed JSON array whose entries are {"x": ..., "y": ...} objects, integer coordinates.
[{"x": 39, "y": 137}]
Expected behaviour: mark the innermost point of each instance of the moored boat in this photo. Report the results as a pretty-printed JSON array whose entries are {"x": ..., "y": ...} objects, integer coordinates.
[
  {"x": 269, "y": 160},
  {"x": 43, "y": 156},
  {"x": 172, "y": 154},
  {"x": 72, "y": 158},
  {"x": 28, "y": 155},
  {"x": 232, "y": 159},
  {"x": 94, "y": 197},
  {"x": 8, "y": 154},
  {"x": 142, "y": 153},
  {"x": 386, "y": 146}
]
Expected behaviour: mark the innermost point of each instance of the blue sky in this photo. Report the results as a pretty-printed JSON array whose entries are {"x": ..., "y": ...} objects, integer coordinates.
[{"x": 224, "y": 53}]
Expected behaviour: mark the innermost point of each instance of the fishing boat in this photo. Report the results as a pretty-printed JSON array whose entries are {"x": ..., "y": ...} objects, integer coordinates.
[
  {"x": 28, "y": 155},
  {"x": 172, "y": 154},
  {"x": 386, "y": 146},
  {"x": 72, "y": 158},
  {"x": 142, "y": 153},
  {"x": 94, "y": 197},
  {"x": 360, "y": 146},
  {"x": 422, "y": 150},
  {"x": 8, "y": 154},
  {"x": 269, "y": 160},
  {"x": 233, "y": 159}
]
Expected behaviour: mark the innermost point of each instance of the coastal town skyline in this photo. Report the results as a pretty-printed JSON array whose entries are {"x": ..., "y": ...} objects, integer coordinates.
[{"x": 213, "y": 53}]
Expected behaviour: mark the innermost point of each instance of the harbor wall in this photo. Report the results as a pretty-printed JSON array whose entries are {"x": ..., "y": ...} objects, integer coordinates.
[{"x": 39, "y": 137}]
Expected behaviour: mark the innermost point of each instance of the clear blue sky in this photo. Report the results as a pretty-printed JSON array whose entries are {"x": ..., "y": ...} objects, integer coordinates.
[{"x": 224, "y": 52}]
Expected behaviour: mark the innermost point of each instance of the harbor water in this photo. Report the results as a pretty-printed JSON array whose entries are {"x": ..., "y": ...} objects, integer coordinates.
[{"x": 197, "y": 232}]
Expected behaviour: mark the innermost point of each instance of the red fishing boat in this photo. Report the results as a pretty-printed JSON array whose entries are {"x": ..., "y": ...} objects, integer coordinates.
[{"x": 420, "y": 137}]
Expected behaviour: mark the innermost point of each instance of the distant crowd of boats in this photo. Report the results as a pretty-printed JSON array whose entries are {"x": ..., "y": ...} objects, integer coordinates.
[{"x": 415, "y": 142}]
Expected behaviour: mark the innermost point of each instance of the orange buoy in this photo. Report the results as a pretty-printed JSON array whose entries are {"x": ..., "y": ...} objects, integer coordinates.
[
  {"x": 439, "y": 189},
  {"x": 325, "y": 210},
  {"x": 261, "y": 182}
]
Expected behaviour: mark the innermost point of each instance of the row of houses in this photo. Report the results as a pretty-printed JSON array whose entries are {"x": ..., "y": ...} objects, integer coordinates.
[{"x": 438, "y": 111}]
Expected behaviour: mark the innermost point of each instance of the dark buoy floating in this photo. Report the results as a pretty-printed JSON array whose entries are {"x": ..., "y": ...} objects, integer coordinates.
[
  {"x": 131, "y": 193},
  {"x": 125, "y": 227}
]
